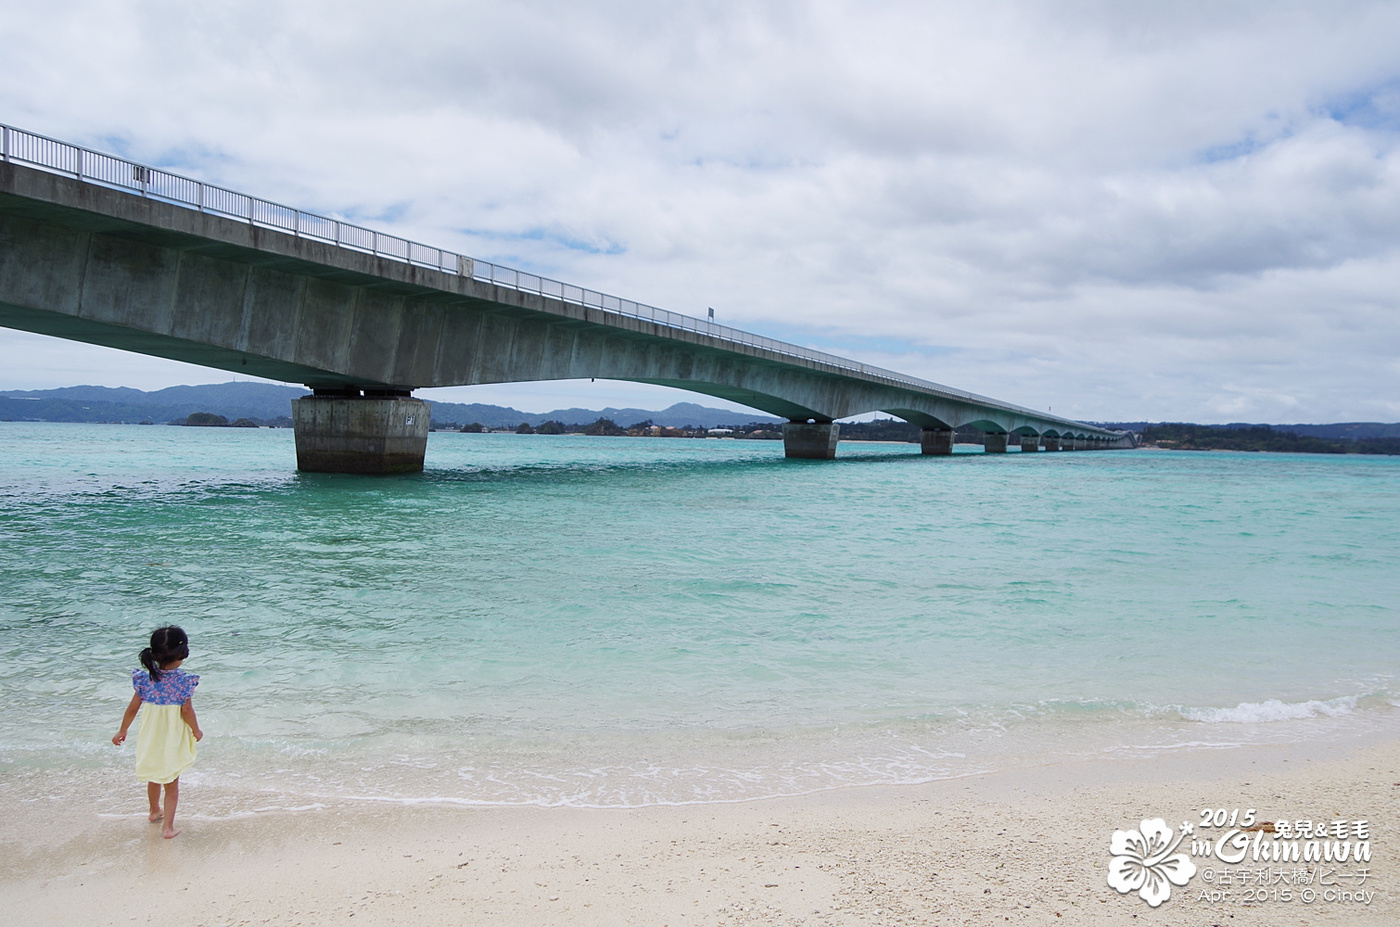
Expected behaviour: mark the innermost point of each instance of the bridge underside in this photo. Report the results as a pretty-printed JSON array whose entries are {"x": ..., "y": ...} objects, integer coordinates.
[{"x": 91, "y": 264}]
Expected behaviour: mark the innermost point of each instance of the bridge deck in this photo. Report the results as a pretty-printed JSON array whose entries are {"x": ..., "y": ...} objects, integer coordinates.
[{"x": 149, "y": 251}]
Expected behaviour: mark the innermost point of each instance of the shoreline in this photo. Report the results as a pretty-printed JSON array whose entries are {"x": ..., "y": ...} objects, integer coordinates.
[{"x": 1027, "y": 845}]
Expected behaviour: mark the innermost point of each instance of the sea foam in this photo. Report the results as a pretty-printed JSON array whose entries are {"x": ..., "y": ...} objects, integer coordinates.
[{"x": 1272, "y": 710}]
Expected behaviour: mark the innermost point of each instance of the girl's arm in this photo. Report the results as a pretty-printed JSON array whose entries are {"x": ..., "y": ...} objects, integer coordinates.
[
  {"x": 127, "y": 718},
  {"x": 187, "y": 712}
]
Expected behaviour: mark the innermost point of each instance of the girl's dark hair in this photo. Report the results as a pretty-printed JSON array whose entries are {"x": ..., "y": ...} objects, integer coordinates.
[{"x": 168, "y": 644}]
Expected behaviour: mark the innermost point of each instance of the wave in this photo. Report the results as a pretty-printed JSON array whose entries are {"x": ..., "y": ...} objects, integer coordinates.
[{"x": 1273, "y": 710}]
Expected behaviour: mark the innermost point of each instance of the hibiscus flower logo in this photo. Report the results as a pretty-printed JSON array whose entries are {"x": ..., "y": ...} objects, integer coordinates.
[{"x": 1143, "y": 861}]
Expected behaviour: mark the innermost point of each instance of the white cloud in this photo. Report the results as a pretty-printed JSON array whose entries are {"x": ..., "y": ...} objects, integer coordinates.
[{"x": 1183, "y": 211}]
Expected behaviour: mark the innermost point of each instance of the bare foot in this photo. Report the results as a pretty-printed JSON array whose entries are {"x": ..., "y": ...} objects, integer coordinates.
[
  {"x": 168, "y": 833},
  {"x": 154, "y": 816}
]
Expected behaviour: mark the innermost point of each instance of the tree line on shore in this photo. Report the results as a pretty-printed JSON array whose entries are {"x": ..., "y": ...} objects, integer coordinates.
[
  {"x": 1176, "y": 436},
  {"x": 1185, "y": 437},
  {"x": 878, "y": 430},
  {"x": 1169, "y": 435},
  {"x": 606, "y": 427}
]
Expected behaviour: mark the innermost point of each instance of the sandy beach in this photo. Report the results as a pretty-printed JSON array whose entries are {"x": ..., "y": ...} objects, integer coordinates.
[{"x": 1024, "y": 848}]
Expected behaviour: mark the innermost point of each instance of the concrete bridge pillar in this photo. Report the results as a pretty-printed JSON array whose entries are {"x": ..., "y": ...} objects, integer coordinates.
[
  {"x": 994, "y": 443},
  {"x": 382, "y": 431},
  {"x": 810, "y": 441},
  {"x": 1030, "y": 444},
  {"x": 936, "y": 441},
  {"x": 1052, "y": 442}
]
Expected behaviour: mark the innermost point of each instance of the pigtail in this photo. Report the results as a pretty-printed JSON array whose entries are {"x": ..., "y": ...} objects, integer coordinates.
[
  {"x": 148, "y": 660},
  {"x": 168, "y": 644}
]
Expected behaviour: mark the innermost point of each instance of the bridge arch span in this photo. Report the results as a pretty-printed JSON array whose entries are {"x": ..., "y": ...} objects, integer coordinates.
[
  {"x": 922, "y": 419},
  {"x": 988, "y": 425}
]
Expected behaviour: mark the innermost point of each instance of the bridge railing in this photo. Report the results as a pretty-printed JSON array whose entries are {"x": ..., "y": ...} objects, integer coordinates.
[{"x": 152, "y": 182}]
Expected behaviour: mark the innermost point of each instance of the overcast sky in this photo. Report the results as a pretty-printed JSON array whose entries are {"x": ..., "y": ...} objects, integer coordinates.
[{"x": 1122, "y": 211}]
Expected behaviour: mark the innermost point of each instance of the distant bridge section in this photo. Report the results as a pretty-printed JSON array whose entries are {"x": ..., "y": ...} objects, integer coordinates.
[{"x": 103, "y": 250}]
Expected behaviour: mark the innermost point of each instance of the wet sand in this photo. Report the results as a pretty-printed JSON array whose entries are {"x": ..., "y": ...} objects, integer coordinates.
[{"x": 1030, "y": 847}]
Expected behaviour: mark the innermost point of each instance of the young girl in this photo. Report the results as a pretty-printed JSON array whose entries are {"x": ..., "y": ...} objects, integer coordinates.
[{"x": 165, "y": 741}]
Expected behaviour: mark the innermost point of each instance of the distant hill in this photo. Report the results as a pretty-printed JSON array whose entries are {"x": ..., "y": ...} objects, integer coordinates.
[
  {"x": 262, "y": 402},
  {"x": 269, "y": 403},
  {"x": 1352, "y": 431},
  {"x": 1260, "y": 438},
  {"x": 678, "y": 415}
]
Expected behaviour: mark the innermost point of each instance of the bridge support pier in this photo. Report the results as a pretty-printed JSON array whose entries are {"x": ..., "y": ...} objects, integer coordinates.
[
  {"x": 1030, "y": 444},
  {"x": 343, "y": 432},
  {"x": 936, "y": 441},
  {"x": 1052, "y": 442},
  {"x": 994, "y": 443},
  {"x": 810, "y": 441}
]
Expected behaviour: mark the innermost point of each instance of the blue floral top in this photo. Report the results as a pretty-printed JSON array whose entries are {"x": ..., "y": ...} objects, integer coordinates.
[{"x": 175, "y": 687}]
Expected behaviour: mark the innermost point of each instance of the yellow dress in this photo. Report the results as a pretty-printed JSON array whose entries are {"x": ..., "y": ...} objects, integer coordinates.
[{"x": 165, "y": 745}]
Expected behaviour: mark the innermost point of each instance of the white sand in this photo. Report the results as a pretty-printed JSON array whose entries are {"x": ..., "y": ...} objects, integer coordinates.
[{"x": 1024, "y": 848}]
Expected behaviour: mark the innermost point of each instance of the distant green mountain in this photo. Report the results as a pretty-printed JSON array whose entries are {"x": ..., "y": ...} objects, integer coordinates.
[
  {"x": 269, "y": 403},
  {"x": 263, "y": 402},
  {"x": 678, "y": 415},
  {"x": 1351, "y": 431},
  {"x": 1262, "y": 438},
  {"x": 1354, "y": 431}
]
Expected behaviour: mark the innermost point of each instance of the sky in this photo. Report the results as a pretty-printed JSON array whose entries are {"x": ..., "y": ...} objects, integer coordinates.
[{"x": 1117, "y": 211}]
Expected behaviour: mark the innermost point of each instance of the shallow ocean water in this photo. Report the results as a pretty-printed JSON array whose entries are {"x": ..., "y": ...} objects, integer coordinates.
[{"x": 605, "y": 621}]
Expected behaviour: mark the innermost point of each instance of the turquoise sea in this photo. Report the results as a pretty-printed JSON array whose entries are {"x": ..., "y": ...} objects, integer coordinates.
[{"x": 629, "y": 621}]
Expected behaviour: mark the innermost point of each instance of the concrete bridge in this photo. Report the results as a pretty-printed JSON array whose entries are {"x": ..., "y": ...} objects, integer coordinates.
[{"x": 99, "y": 249}]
